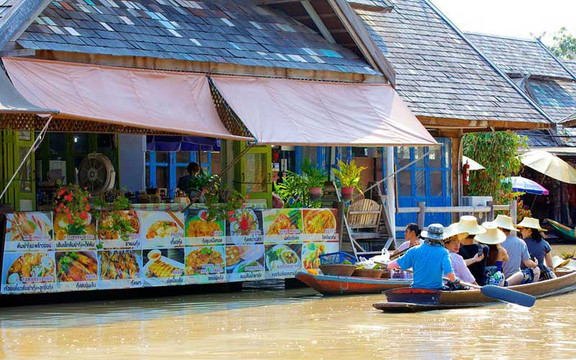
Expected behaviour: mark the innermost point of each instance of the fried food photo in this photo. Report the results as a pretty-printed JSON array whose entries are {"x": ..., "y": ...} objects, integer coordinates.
[
  {"x": 318, "y": 221},
  {"x": 31, "y": 268},
  {"x": 204, "y": 261},
  {"x": 161, "y": 229},
  {"x": 163, "y": 269},
  {"x": 118, "y": 265},
  {"x": 76, "y": 266},
  {"x": 200, "y": 228}
]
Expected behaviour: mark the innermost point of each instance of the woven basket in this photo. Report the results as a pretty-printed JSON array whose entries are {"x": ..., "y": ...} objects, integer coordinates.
[
  {"x": 385, "y": 274},
  {"x": 337, "y": 269},
  {"x": 368, "y": 273}
]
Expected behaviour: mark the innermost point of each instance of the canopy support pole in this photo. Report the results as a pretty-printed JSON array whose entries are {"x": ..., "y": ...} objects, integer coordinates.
[{"x": 34, "y": 146}]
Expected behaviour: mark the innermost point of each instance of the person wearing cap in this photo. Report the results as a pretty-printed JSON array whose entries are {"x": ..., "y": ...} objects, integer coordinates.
[
  {"x": 517, "y": 255},
  {"x": 474, "y": 254},
  {"x": 428, "y": 261},
  {"x": 452, "y": 236},
  {"x": 538, "y": 248},
  {"x": 493, "y": 237}
]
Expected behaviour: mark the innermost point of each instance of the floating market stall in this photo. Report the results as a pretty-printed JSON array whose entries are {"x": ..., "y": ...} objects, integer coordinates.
[{"x": 84, "y": 248}]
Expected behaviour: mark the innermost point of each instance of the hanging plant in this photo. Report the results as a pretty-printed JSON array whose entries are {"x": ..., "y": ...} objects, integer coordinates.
[{"x": 73, "y": 202}]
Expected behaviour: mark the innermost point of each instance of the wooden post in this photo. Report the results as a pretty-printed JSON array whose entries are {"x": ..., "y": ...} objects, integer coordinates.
[
  {"x": 421, "y": 214},
  {"x": 490, "y": 215},
  {"x": 514, "y": 214}
]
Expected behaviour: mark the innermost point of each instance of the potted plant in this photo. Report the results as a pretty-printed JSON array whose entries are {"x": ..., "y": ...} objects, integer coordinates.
[
  {"x": 314, "y": 179},
  {"x": 349, "y": 176}
]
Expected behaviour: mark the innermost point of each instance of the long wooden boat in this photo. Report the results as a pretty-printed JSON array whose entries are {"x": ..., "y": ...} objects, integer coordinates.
[
  {"x": 413, "y": 300},
  {"x": 348, "y": 285},
  {"x": 563, "y": 231}
]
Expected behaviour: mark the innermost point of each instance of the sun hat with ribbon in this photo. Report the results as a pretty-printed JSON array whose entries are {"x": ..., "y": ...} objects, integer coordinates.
[
  {"x": 469, "y": 224},
  {"x": 531, "y": 223},
  {"x": 504, "y": 222},
  {"x": 492, "y": 236}
]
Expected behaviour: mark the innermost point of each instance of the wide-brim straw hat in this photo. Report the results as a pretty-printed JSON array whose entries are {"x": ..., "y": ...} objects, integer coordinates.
[
  {"x": 469, "y": 224},
  {"x": 504, "y": 222},
  {"x": 454, "y": 230},
  {"x": 531, "y": 223},
  {"x": 492, "y": 236}
]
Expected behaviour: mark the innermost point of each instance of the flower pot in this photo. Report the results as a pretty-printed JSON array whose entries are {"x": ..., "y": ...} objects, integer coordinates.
[
  {"x": 347, "y": 192},
  {"x": 315, "y": 193}
]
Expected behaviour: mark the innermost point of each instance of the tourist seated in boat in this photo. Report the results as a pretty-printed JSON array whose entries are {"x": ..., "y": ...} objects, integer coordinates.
[
  {"x": 412, "y": 236},
  {"x": 474, "y": 254},
  {"x": 428, "y": 261},
  {"x": 492, "y": 238},
  {"x": 538, "y": 248},
  {"x": 452, "y": 236},
  {"x": 518, "y": 255}
]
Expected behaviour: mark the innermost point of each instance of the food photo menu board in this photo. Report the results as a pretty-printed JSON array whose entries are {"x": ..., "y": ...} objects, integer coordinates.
[{"x": 134, "y": 249}]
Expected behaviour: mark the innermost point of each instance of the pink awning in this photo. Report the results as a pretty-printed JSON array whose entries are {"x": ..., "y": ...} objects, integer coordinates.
[
  {"x": 293, "y": 112},
  {"x": 174, "y": 102}
]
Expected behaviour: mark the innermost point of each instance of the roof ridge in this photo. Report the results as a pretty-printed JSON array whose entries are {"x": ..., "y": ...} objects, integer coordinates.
[{"x": 490, "y": 63}]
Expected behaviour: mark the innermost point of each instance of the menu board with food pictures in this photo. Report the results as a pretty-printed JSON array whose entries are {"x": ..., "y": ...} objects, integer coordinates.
[{"x": 133, "y": 249}]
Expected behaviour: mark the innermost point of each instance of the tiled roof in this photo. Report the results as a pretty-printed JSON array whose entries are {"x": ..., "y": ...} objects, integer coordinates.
[
  {"x": 556, "y": 97},
  {"x": 518, "y": 56},
  {"x": 438, "y": 73},
  {"x": 5, "y": 7},
  {"x": 220, "y": 31},
  {"x": 571, "y": 65},
  {"x": 538, "y": 138}
]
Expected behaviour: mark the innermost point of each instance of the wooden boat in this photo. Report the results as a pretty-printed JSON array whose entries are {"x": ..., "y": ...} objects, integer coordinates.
[
  {"x": 347, "y": 285},
  {"x": 563, "y": 231},
  {"x": 413, "y": 300}
]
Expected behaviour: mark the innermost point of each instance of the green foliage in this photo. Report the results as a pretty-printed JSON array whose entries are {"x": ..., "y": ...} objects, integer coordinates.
[
  {"x": 116, "y": 211},
  {"x": 496, "y": 151},
  {"x": 564, "y": 44},
  {"x": 313, "y": 176},
  {"x": 349, "y": 174},
  {"x": 72, "y": 201},
  {"x": 222, "y": 202},
  {"x": 294, "y": 192}
]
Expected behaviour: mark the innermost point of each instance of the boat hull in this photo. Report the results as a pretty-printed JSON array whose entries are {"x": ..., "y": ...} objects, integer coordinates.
[
  {"x": 419, "y": 301},
  {"x": 565, "y": 233},
  {"x": 349, "y": 285}
]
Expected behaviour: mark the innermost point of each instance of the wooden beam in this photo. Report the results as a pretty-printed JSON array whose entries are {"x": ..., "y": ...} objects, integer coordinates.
[
  {"x": 17, "y": 20},
  {"x": 357, "y": 29},
  {"x": 207, "y": 67},
  {"x": 318, "y": 21},
  {"x": 478, "y": 125}
]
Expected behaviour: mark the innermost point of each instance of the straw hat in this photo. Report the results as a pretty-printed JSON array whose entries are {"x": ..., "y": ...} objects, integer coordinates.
[
  {"x": 531, "y": 223},
  {"x": 454, "y": 230},
  {"x": 469, "y": 224},
  {"x": 504, "y": 222},
  {"x": 492, "y": 236}
]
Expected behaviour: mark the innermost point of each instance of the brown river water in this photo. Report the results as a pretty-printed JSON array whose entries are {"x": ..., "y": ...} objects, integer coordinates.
[{"x": 285, "y": 324}]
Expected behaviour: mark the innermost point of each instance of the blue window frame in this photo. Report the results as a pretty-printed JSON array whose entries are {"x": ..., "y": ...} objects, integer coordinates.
[
  {"x": 169, "y": 169},
  {"x": 319, "y": 156},
  {"x": 428, "y": 180}
]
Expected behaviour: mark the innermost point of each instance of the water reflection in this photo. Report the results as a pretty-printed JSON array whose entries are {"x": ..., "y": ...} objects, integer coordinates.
[{"x": 285, "y": 324}]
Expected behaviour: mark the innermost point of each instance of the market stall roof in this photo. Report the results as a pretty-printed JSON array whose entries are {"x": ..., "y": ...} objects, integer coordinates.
[
  {"x": 181, "y": 143},
  {"x": 297, "y": 112},
  {"x": 168, "y": 102},
  {"x": 12, "y": 102}
]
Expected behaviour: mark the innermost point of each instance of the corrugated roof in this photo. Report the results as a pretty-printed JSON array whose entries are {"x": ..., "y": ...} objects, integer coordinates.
[
  {"x": 438, "y": 73},
  {"x": 237, "y": 32},
  {"x": 519, "y": 56}
]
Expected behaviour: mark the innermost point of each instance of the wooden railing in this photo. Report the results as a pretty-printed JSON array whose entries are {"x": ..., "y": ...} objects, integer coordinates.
[{"x": 488, "y": 209}]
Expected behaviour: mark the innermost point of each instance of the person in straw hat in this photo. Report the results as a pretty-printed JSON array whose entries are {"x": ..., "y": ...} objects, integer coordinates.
[
  {"x": 493, "y": 237},
  {"x": 517, "y": 255},
  {"x": 429, "y": 261},
  {"x": 538, "y": 248},
  {"x": 474, "y": 254},
  {"x": 452, "y": 236}
]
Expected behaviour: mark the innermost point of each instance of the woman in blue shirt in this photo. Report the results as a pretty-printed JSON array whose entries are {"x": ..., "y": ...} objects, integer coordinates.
[{"x": 537, "y": 247}]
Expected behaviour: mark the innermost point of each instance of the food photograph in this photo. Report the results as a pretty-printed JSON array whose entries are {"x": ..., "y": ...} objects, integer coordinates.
[
  {"x": 247, "y": 222},
  {"x": 283, "y": 258},
  {"x": 205, "y": 260},
  {"x": 162, "y": 224},
  {"x": 35, "y": 226},
  {"x": 282, "y": 221},
  {"x": 75, "y": 266},
  {"x": 321, "y": 221},
  {"x": 197, "y": 225},
  {"x": 120, "y": 264},
  {"x": 63, "y": 230},
  {"x": 246, "y": 258},
  {"x": 28, "y": 268},
  {"x": 118, "y": 225},
  {"x": 162, "y": 263}
]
